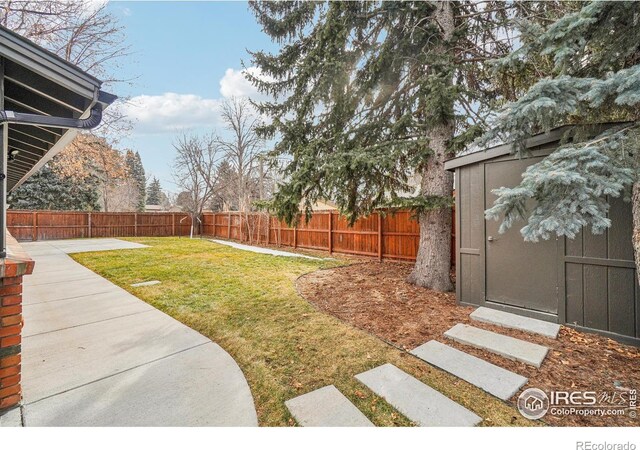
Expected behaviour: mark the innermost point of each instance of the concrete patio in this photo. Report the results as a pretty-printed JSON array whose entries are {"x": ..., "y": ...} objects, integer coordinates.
[{"x": 95, "y": 355}]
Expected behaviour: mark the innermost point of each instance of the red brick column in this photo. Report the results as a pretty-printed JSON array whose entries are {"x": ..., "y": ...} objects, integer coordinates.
[{"x": 12, "y": 269}]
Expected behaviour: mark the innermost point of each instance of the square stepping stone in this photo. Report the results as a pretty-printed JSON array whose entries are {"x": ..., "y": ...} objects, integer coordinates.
[
  {"x": 495, "y": 380},
  {"x": 510, "y": 348},
  {"x": 326, "y": 407},
  {"x": 146, "y": 283},
  {"x": 419, "y": 402},
  {"x": 515, "y": 321}
]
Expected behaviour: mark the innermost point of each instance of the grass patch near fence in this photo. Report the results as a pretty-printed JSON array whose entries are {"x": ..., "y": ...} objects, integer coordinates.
[{"x": 247, "y": 303}]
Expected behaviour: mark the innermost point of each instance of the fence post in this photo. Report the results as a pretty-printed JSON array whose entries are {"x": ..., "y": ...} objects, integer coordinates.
[
  {"x": 259, "y": 233},
  {"x": 268, "y": 228},
  {"x": 229, "y": 226},
  {"x": 214, "y": 225},
  {"x": 173, "y": 224},
  {"x": 295, "y": 236},
  {"x": 379, "y": 236},
  {"x": 330, "y": 232},
  {"x": 135, "y": 224},
  {"x": 34, "y": 223},
  {"x": 89, "y": 224}
]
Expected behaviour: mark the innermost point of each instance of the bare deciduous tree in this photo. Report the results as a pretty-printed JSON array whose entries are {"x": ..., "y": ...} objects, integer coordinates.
[
  {"x": 82, "y": 32},
  {"x": 89, "y": 157},
  {"x": 195, "y": 171},
  {"x": 243, "y": 148},
  {"x": 122, "y": 196}
]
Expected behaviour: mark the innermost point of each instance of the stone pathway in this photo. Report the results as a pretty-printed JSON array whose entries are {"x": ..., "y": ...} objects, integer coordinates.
[
  {"x": 95, "y": 355},
  {"x": 508, "y": 320},
  {"x": 265, "y": 251},
  {"x": 493, "y": 379},
  {"x": 326, "y": 407},
  {"x": 420, "y": 403},
  {"x": 511, "y": 348}
]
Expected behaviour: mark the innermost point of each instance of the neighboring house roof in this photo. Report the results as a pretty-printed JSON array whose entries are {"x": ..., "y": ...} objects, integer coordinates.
[
  {"x": 36, "y": 81},
  {"x": 324, "y": 205},
  {"x": 321, "y": 205}
]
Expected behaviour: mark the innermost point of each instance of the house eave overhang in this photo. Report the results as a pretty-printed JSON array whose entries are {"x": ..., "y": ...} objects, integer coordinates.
[
  {"x": 47, "y": 64},
  {"x": 37, "y": 82}
]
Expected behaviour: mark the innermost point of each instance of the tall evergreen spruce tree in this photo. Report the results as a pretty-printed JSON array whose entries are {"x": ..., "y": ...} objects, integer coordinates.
[
  {"x": 136, "y": 172},
  {"x": 367, "y": 94},
  {"x": 154, "y": 192},
  {"x": 48, "y": 190},
  {"x": 596, "y": 78}
]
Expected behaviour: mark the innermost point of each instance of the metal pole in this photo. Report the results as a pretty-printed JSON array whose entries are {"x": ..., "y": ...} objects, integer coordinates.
[
  {"x": 4, "y": 139},
  {"x": 3, "y": 191}
]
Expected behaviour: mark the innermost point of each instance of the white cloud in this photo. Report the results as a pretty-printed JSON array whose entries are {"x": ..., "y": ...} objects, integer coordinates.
[
  {"x": 169, "y": 112},
  {"x": 235, "y": 84},
  {"x": 166, "y": 113},
  {"x": 91, "y": 6}
]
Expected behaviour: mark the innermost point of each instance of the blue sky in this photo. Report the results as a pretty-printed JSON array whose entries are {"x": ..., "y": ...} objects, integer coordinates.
[{"x": 187, "y": 59}]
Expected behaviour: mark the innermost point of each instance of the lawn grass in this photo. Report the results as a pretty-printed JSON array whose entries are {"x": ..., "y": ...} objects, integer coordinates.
[{"x": 247, "y": 303}]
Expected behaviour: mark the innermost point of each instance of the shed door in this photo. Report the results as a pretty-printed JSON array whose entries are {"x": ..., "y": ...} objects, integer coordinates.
[{"x": 518, "y": 273}]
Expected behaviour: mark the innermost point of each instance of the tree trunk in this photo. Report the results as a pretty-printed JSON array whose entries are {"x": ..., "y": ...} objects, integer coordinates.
[
  {"x": 433, "y": 262},
  {"x": 635, "y": 208},
  {"x": 105, "y": 198}
]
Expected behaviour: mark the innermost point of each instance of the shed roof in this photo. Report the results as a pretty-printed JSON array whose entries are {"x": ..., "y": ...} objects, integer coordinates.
[
  {"x": 505, "y": 149},
  {"x": 35, "y": 81},
  {"x": 534, "y": 141}
]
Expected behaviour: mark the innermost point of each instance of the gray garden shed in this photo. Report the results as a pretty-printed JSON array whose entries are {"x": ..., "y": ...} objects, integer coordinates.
[{"x": 588, "y": 282}]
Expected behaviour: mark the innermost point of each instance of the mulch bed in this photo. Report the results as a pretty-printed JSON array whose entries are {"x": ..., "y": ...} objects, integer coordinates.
[{"x": 375, "y": 297}]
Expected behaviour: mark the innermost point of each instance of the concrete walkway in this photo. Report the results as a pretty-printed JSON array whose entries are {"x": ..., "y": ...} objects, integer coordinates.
[
  {"x": 266, "y": 251},
  {"x": 95, "y": 355}
]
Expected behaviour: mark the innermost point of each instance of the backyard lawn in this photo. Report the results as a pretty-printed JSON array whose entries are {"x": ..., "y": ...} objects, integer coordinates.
[{"x": 248, "y": 304}]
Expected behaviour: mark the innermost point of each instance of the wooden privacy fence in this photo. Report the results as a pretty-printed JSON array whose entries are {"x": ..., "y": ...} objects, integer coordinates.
[
  {"x": 393, "y": 235},
  {"x": 37, "y": 225}
]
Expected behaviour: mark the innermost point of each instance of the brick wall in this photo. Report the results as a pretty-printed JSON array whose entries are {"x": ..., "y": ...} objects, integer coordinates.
[{"x": 12, "y": 269}]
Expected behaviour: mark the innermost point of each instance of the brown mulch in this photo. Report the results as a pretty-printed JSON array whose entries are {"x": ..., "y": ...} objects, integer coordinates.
[{"x": 375, "y": 297}]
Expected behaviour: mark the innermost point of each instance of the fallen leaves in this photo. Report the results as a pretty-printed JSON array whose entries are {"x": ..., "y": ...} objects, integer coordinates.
[
  {"x": 360, "y": 394},
  {"x": 409, "y": 316}
]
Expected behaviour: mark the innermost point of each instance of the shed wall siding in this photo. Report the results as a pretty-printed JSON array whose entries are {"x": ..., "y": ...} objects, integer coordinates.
[
  {"x": 598, "y": 289},
  {"x": 601, "y": 284},
  {"x": 472, "y": 234}
]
